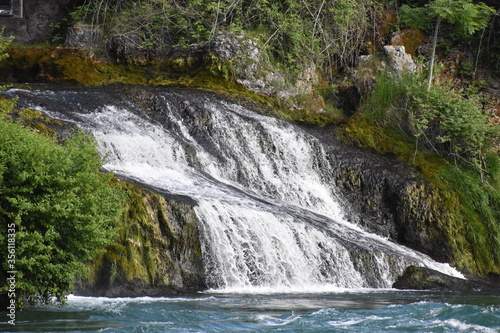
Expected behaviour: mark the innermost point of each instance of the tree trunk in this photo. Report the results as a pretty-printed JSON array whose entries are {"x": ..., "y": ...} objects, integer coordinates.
[{"x": 434, "y": 43}]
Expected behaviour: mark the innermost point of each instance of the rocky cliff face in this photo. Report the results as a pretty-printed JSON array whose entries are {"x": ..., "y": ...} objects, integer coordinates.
[
  {"x": 390, "y": 198},
  {"x": 157, "y": 250}
]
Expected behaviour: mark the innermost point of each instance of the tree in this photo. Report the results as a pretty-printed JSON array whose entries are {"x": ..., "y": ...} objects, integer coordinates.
[
  {"x": 56, "y": 211},
  {"x": 466, "y": 17}
]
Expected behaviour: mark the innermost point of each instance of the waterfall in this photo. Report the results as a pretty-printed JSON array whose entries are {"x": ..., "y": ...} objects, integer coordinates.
[{"x": 271, "y": 218}]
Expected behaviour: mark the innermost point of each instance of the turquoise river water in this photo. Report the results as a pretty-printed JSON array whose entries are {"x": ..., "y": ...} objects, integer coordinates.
[{"x": 343, "y": 311}]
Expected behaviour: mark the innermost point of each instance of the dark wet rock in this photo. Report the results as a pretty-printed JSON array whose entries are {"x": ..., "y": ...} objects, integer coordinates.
[
  {"x": 420, "y": 278},
  {"x": 388, "y": 197},
  {"x": 126, "y": 47}
]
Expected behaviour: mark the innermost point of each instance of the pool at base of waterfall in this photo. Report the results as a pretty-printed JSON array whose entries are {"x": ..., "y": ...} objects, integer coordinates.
[{"x": 356, "y": 310}]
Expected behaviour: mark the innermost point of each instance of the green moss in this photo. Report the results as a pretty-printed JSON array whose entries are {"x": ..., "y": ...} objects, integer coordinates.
[
  {"x": 40, "y": 123},
  {"x": 138, "y": 244},
  {"x": 35, "y": 120},
  {"x": 308, "y": 112},
  {"x": 363, "y": 132},
  {"x": 30, "y": 114},
  {"x": 78, "y": 67}
]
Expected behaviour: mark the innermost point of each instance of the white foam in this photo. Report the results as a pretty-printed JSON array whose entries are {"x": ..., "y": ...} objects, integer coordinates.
[
  {"x": 271, "y": 219},
  {"x": 462, "y": 326}
]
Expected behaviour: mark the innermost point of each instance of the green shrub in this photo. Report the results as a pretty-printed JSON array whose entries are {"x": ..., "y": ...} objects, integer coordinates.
[
  {"x": 454, "y": 125},
  {"x": 440, "y": 119},
  {"x": 57, "y": 204}
]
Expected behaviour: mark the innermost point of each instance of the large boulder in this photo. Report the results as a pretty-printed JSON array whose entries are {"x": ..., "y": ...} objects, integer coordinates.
[
  {"x": 399, "y": 61},
  {"x": 254, "y": 70},
  {"x": 420, "y": 278},
  {"x": 395, "y": 60}
]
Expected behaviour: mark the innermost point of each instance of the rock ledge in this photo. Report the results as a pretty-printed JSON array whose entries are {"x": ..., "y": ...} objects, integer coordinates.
[{"x": 420, "y": 278}]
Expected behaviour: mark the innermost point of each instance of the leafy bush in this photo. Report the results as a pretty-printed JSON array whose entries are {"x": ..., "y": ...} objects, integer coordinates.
[
  {"x": 454, "y": 125},
  {"x": 59, "y": 205},
  {"x": 466, "y": 16},
  {"x": 440, "y": 119}
]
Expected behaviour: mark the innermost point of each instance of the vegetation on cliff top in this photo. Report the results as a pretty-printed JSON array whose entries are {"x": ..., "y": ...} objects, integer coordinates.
[
  {"x": 440, "y": 119},
  {"x": 296, "y": 32}
]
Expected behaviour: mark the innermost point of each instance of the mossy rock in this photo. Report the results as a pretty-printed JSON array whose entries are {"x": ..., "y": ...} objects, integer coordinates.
[
  {"x": 450, "y": 214},
  {"x": 7, "y": 105},
  {"x": 38, "y": 121},
  {"x": 192, "y": 68},
  {"x": 157, "y": 250},
  {"x": 420, "y": 278}
]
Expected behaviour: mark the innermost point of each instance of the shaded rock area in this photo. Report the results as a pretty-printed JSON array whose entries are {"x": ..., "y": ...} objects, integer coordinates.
[
  {"x": 35, "y": 21},
  {"x": 157, "y": 251},
  {"x": 395, "y": 202},
  {"x": 420, "y": 278},
  {"x": 388, "y": 197}
]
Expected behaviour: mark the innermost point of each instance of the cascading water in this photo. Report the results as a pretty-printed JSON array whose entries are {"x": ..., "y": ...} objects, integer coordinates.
[{"x": 271, "y": 217}]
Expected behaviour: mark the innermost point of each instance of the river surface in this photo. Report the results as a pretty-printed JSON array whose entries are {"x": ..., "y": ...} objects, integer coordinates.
[{"x": 366, "y": 310}]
